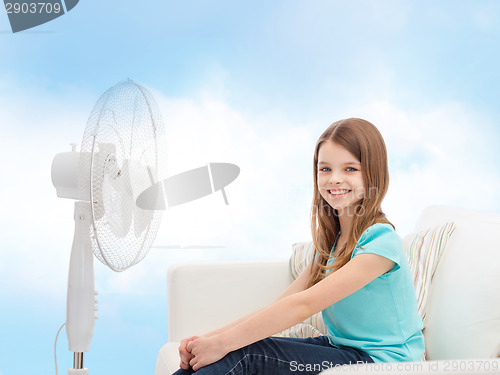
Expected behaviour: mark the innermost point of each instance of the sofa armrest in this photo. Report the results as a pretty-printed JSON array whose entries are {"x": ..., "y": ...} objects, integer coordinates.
[
  {"x": 206, "y": 296},
  {"x": 168, "y": 359},
  {"x": 441, "y": 367}
]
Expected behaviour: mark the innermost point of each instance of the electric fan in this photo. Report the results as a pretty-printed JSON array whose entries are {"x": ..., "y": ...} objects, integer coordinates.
[{"x": 122, "y": 154}]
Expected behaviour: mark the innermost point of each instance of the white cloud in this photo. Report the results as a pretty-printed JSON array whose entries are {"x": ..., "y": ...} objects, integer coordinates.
[
  {"x": 436, "y": 156},
  {"x": 37, "y": 226},
  {"x": 273, "y": 154},
  {"x": 269, "y": 152},
  {"x": 444, "y": 155}
]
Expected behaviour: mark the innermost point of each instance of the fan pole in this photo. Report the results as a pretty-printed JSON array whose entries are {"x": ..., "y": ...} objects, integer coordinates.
[{"x": 81, "y": 294}]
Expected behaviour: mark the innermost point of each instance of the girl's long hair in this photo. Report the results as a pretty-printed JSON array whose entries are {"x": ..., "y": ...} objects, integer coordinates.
[{"x": 363, "y": 140}]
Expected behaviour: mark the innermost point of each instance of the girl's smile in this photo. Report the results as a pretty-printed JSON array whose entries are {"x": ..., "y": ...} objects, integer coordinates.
[{"x": 338, "y": 193}]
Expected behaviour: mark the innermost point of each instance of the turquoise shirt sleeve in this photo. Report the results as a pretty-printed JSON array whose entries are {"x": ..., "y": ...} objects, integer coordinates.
[{"x": 381, "y": 240}]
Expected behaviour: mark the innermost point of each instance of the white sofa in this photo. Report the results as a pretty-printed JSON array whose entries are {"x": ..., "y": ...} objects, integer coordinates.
[{"x": 463, "y": 309}]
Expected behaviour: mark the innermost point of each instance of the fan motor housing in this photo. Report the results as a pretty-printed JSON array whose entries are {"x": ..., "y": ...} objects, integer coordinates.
[{"x": 65, "y": 175}]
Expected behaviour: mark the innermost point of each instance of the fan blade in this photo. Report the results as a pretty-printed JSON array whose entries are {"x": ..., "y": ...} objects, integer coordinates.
[
  {"x": 188, "y": 186},
  {"x": 152, "y": 198}
]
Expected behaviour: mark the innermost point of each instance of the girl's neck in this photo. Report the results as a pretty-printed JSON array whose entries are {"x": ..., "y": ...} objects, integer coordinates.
[{"x": 345, "y": 225}]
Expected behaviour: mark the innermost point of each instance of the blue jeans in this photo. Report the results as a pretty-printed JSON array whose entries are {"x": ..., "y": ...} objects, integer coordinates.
[{"x": 283, "y": 355}]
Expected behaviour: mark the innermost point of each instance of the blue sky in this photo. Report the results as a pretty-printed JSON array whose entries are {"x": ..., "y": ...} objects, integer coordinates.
[{"x": 252, "y": 83}]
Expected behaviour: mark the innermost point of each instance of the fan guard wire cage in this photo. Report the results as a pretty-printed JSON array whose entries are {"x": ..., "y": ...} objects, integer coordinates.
[{"x": 125, "y": 139}]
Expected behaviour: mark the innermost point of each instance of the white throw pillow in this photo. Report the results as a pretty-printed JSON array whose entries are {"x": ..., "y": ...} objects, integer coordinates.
[
  {"x": 424, "y": 250},
  {"x": 302, "y": 254}
]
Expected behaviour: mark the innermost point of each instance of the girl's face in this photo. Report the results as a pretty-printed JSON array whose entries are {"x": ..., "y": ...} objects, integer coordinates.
[{"x": 340, "y": 181}]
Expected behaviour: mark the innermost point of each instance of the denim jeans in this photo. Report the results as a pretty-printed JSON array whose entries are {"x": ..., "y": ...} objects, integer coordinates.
[{"x": 283, "y": 355}]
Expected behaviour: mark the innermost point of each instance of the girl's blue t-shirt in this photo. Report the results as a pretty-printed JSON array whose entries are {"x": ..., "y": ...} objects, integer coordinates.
[{"x": 381, "y": 318}]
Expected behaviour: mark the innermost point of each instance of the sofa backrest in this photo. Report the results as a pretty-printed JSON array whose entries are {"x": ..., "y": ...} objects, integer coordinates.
[
  {"x": 204, "y": 296},
  {"x": 464, "y": 300}
]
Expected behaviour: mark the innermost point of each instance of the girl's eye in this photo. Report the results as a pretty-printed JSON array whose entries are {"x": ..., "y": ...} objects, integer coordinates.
[
  {"x": 351, "y": 169},
  {"x": 325, "y": 169}
]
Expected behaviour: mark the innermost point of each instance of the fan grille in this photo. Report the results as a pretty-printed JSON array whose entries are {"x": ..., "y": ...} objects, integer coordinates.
[{"x": 124, "y": 138}]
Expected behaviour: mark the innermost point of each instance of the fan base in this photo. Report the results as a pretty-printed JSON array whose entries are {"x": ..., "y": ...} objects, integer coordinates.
[{"x": 78, "y": 371}]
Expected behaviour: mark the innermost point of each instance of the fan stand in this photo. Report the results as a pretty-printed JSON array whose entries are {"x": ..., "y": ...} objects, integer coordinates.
[
  {"x": 122, "y": 136},
  {"x": 78, "y": 368},
  {"x": 81, "y": 299}
]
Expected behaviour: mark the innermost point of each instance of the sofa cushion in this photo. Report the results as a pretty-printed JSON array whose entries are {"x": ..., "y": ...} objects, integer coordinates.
[
  {"x": 301, "y": 330},
  {"x": 424, "y": 250}
]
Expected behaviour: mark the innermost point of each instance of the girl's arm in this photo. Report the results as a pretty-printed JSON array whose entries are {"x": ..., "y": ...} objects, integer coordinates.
[{"x": 290, "y": 309}]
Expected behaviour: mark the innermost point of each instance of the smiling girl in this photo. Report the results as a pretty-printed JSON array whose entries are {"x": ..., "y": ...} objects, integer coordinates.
[{"x": 359, "y": 278}]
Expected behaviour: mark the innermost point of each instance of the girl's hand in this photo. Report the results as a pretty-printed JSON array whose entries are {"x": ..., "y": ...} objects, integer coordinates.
[
  {"x": 206, "y": 350},
  {"x": 185, "y": 355}
]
